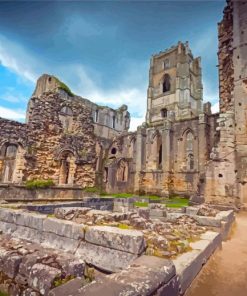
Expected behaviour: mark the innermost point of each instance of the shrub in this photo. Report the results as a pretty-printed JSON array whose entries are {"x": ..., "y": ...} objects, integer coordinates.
[
  {"x": 35, "y": 184},
  {"x": 92, "y": 189}
]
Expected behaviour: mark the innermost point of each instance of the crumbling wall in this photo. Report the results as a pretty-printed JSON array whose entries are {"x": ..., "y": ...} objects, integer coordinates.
[{"x": 49, "y": 140}]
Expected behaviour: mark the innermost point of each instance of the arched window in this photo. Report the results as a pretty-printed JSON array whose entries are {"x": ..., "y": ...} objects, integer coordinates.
[
  {"x": 9, "y": 152},
  {"x": 166, "y": 83},
  {"x": 189, "y": 141},
  {"x": 67, "y": 110}
]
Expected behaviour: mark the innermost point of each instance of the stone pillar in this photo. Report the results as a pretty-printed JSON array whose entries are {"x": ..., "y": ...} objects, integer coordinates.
[
  {"x": 202, "y": 143},
  {"x": 140, "y": 156}
]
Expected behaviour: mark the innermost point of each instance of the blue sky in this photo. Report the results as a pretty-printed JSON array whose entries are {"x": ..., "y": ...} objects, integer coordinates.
[{"x": 100, "y": 49}]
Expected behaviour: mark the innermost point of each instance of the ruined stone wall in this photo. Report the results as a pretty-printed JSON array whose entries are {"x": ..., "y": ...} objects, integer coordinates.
[
  {"x": 225, "y": 54},
  {"x": 14, "y": 133},
  {"x": 226, "y": 172},
  {"x": 49, "y": 139}
]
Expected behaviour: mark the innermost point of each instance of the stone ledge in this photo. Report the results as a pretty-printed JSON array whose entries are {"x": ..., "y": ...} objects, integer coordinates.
[
  {"x": 104, "y": 258},
  {"x": 131, "y": 241}
]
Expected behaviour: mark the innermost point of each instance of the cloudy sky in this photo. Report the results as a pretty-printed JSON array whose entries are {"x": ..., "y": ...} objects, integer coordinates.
[{"x": 100, "y": 49}]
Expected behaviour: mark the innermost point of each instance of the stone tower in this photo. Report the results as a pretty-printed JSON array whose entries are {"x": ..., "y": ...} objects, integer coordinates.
[{"x": 175, "y": 85}]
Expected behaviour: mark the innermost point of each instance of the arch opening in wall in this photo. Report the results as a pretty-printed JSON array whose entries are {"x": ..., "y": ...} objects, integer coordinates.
[
  {"x": 166, "y": 83},
  {"x": 67, "y": 168},
  {"x": 8, "y": 155},
  {"x": 122, "y": 171},
  {"x": 66, "y": 118},
  {"x": 114, "y": 151}
]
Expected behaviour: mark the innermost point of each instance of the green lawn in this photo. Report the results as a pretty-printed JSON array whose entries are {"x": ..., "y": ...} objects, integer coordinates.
[
  {"x": 3, "y": 294},
  {"x": 177, "y": 202}
]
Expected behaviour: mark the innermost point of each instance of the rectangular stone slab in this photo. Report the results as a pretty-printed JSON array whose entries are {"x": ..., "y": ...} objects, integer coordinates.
[
  {"x": 131, "y": 241},
  {"x": 104, "y": 258},
  {"x": 64, "y": 228}
]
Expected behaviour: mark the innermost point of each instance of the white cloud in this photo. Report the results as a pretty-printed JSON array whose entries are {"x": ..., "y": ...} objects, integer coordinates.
[
  {"x": 16, "y": 58},
  {"x": 12, "y": 114},
  {"x": 135, "y": 122},
  {"x": 215, "y": 108}
]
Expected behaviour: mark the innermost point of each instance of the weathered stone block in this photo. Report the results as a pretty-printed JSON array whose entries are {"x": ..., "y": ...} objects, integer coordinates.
[
  {"x": 131, "y": 241},
  {"x": 52, "y": 240},
  {"x": 104, "y": 258},
  {"x": 64, "y": 228},
  {"x": 70, "y": 288},
  {"x": 31, "y": 220},
  {"x": 42, "y": 278},
  {"x": 7, "y": 215},
  {"x": 7, "y": 228},
  {"x": 11, "y": 265},
  {"x": 27, "y": 233}
]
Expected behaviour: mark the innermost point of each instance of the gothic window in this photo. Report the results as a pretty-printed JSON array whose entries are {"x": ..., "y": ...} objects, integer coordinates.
[
  {"x": 166, "y": 83},
  {"x": 9, "y": 159},
  {"x": 122, "y": 171},
  {"x": 67, "y": 111},
  {"x": 163, "y": 112},
  {"x": 189, "y": 141},
  {"x": 166, "y": 64}
]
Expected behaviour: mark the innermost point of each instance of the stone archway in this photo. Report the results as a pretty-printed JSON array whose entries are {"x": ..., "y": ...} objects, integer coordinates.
[{"x": 67, "y": 168}]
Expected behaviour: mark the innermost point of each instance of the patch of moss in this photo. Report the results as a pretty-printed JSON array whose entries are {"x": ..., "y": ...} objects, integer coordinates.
[
  {"x": 118, "y": 195},
  {"x": 3, "y": 294},
  {"x": 62, "y": 281},
  {"x": 35, "y": 184},
  {"x": 64, "y": 87},
  {"x": 51, "y": 216},
  {"x": 124, "y": 226}
]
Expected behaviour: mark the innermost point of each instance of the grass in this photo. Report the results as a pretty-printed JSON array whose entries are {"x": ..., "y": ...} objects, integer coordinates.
[
  {"x": 92, "y": 189},
  {"x": 118, "y": 195},
  {"x": 141, "y": 204},
  {"x": 176, "y": 202},
  {"x": 3, "y": 294}
]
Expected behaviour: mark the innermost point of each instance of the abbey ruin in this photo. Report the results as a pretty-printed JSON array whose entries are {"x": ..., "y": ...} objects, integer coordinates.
[
  {"x": 182, "y": 148},
  {"x": 67, "y": 238}
]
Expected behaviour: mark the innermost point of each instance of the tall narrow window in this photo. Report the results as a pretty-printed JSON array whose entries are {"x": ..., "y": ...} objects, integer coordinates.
[
  {"x": 166, "y": 64},
  {"x": 96, "y": 116},
  {"x": 166, "y": 83},
  {"x": 113, "y": 122},
  {"x": 160, "y": 155},
  {"x": 189, "y": 141}
]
